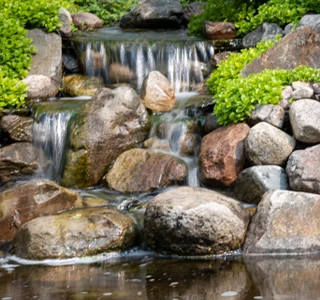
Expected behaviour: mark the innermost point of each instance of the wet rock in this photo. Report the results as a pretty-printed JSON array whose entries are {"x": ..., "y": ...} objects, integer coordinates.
[
  {"x": 253, "y": 182},
  {"x": 65, "y": 18},
  {"x": 303, "y": 170},
  {"x": 272, "y": 114},
  {"x": 157, "y": 93},
  {"x": 265, "y": 32},
  {"x": 75, "y": 233},
  {"x": 193, "y": 9},
  {"x": 120, "y": 73},
  {"x": 303, "y": 93},
  {"x": 219, "y": 30},
  {"x": 70, "y": 63},
  {"x": 277, "y": 277},
  {"x": 154, "y": 14},
  {"x": 94, "y": 202},
  {"x": 195, "y": 221},
  {"x": 305, "y": 120},
  {"x": 155, "y": 143},
  {"x": 31, "y": 200},
  {"x": 190, "y": 144},
  {"x": 46, "y": 62},
  {"x": 41, "y": 87},
  {"x": 140, "y": 170},
  {"x": 222, "y": 156},
  {"x": 93, "y": 62},
  {"x": 19, "y": 128},
  {"x": 79, "y": 85},
  {"x": 20, "y": 160},
  {"x": 111, "y": 123},
  {"x": 219, "y": 57},
  {"x": 211, "y": 123},
  {"x": 285, "y": 222},
  {"x": 289, "y": 53},
  {"x": 85, "y": 20},
  {"x": 268, "y": 145}
]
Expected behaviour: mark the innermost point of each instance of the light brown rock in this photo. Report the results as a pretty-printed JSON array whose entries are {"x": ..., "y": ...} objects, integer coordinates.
[
  {"x": 79, "y": 85},
  {"x": 41, "y": 87},
  {"x": 222, "y": 155},
  {"x": 85, "y": 20},
  {"x": 219, "y": 30},
  {"x": 19, "y": 128}
]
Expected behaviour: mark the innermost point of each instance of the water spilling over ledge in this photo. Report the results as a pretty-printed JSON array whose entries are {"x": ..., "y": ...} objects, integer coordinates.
[{"x": 128, "y": 57}]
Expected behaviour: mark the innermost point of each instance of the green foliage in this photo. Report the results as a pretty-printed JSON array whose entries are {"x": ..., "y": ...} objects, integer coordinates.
[{"x": 109, "y": 11}]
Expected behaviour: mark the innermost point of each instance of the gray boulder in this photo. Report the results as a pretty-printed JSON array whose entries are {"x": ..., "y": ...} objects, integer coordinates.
[
  {"x": 195, "y": 221},
  {"x": 285, "y": 222},
  {"x": 265, "y": 32},
  {"x": 312, "y": 20},
  {"x": 305, "y": 120},
  {"x": 154, "y": 14},
  {"x": 303, "y": 170},
  {"x": 272, "y": 114},
  {"x": 253, "y": 182},
  {"x": 111, "y": 123},
  {"x": 75, "y": 233},
  {"x": 268, "y": 145}
]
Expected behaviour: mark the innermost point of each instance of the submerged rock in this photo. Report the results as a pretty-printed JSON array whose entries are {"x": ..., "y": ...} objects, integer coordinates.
[
  {"x": 222, "y": 155},
  {"x": 31, "y": 200},
  {"x": 139, "y": 170},
  {"x": 195, "y": 221},
  {"x": 303, "y": 170},
  {"x": 120, "y": 73},
  {"x": 75, "y": 233},
  {"x": 157, "y": 93},
  {"x": 19, "y": 128},
  {"x": 111, "y": 123},
  {"x": 285, "y": 222}
]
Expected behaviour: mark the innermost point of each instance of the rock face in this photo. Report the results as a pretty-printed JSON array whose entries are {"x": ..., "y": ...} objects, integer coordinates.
[
  {"x": 219, "y": 30},
  {"x": 157, "y": 93},
  {"x": 303, "y": 170},
  {"x": 46, "y": 62},
  {"x": 305, "y": 120},
  {"x": 222, "y": 156},
  {"x": 19, "y": 128},
  {"x": 31, "y": 200},
  {"x": 265, "y": 32},
  {"x": 85, "y": 20},
  {"x": 285, "y": 222},
  {"x": 79, "y": 85},
  {"x": 268, "y": 145},
  {"x": 140, "y": 170},
  {"x": 74, "y": 234},
  {"x": 195, "y": 221},
  {"x": 19, "y": 160},
  {"x": 154, "y": 14},
  {"x": 272, "y": 114},
  {"x": 111, "y": 123},
  {"x": 300, "y": 47},
  {"x": 253, "y": 182}
]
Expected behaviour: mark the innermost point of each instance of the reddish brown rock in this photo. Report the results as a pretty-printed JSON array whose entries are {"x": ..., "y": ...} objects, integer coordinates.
[
  {"x": 300, "y": 47},
  {"x": 141, "y": 170},
  {"x": 33, "y": 199},
  {"x": 86, "y": 20},
  {"x": 222, "y": 155},
  {"x": 219, "y": 30}
]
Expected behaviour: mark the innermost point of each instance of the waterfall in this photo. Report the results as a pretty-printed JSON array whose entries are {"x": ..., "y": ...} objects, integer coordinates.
[{"x": 130, "y": 59}]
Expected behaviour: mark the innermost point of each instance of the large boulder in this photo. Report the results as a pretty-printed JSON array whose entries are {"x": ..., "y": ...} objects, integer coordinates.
[
  {"x": 219, "y": 30},
  {"x": 265, "y": 32},
  {"x": 305, "y": 120},
  {"x": 253, "y": 182},
  {"x": 300, "y": 47},
  {"x": 20, "y": 160},
  {"x": 31, "y": 200},
  {"x": 111, "y": 123},
  {"x": 285, "y": 222},
  {"x": 154, "y": 14},
  {"x": 303, "y": 170},
  {"x": 141, "y": 170},
  {"x": 74, "y": 234},
  {"x": 268, "y": 145},
  {"x": 46, "y": 62},
  {"x": 157, "y": 93},
  {"x": 19, "y": 128},
  {"x": 195, "y": 221},
  {"x": 222, "y": 155}
]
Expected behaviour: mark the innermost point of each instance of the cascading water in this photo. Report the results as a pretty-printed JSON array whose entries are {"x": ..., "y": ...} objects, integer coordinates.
[{"x": 129, "y": 57}]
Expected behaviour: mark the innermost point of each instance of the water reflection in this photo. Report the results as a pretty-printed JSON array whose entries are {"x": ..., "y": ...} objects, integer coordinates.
[{"x": 145, "y": 276}]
